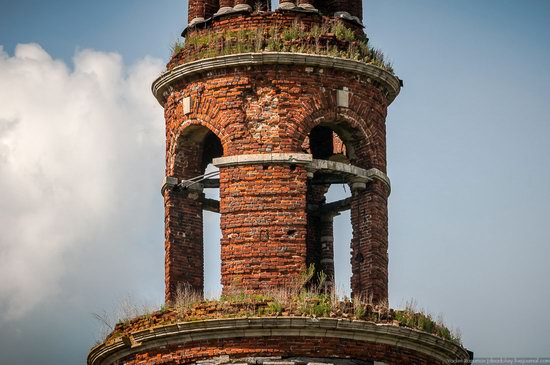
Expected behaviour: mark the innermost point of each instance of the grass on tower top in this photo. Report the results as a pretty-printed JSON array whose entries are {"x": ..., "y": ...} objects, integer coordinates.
[
  {"x": 330, "y": 38},
  {"x": 311, "y": 296}
]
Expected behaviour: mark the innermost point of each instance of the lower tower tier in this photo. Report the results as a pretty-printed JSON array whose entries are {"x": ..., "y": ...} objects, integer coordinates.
[{"x": 278, "y": 341}]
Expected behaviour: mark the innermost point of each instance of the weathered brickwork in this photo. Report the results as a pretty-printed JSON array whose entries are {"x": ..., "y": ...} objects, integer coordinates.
[
  {"x": 280, "y": 346},
  {"x": 267, "y": 109},
  {"x": 268, "y": 24},
  {"x": 281, "y": 127},
  {"x": 206, "y": 8},
  {"x": 263, "y": 222},
  {"x": 266, "y": 240},
  {"x": 369, "y": 218}
]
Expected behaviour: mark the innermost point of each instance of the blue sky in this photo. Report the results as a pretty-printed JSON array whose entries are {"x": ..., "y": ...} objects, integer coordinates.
[{"x": 81, "y": 157}]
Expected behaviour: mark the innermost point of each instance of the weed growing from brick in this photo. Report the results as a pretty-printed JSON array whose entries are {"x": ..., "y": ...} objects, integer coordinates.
[
  {"x": 330, "y": 38},
  {"x": 291, "y": 301}
]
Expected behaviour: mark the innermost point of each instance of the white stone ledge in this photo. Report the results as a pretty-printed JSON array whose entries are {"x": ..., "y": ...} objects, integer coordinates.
[
  {"x": 162, "y": 85},
  {"x": 180, "y": 333},
  {"x": 263, "y": 158},
  {"x": 356, "y": 174},
  {"x": 350, "y": 170}
]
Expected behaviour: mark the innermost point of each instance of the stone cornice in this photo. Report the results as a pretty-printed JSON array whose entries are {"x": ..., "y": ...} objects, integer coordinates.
[
  {"x": 180, "y": 333},
  {"x": 264, "y": 158},
  {"x": 161, "y": 86},
  {"x": 355, "y": 173}
]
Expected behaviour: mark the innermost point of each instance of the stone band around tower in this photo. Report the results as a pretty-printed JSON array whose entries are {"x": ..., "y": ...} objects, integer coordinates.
[
  {"x": 163, "y": 85},
  {"x": 356, "y": 175}
]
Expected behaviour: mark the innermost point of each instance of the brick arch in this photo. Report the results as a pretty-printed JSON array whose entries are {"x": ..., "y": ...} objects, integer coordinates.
[
  {"x": 191, "y": 131},
  {"x": 355, "y": 131},
  {"x": 192, "y": 145},
  {"x": 205, "y": 111}
]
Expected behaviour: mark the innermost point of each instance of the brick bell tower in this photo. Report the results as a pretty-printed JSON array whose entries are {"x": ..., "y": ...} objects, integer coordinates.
[{"x": 284, "y": 102}]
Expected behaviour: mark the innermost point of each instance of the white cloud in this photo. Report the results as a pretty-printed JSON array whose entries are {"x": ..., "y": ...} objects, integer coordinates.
[{"x": 81, "y": 153}]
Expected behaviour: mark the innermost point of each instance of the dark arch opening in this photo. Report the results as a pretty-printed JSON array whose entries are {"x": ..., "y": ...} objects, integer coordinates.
[
  {"x": 196, "y": 148},
  {"x": 325, "y": 143},
  {"x": 212, "y": 148},
  {"x": 329, "y": 220}
]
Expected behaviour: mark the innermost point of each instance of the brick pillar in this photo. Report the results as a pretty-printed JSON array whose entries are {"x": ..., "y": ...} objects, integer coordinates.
[
  {"x": 210, "y": 7},
  {"x": 195, "y": 9},
  {"x": 369, "y": 261},
  {"x": 317, "y": 232},
  {"x": 184, "y": 258},
  {"x": 315, "y": 198},
  {"x": 356, "y": 8},
  {"x": 202, "y": 9},
  {"x": 263, "y": 223},
  {"x": 326, "y": 229},
  {"x": 227, "y": 3}
]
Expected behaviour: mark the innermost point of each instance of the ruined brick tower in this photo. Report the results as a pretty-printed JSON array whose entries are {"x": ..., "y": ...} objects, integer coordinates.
[{"x": 285, "y": 103}]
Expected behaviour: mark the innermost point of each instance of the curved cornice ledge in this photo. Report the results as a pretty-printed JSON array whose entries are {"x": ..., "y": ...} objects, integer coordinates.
[
  {"x": 307, "y": 160},
  {"x": 161, "y": 86},
  {"x": 180, "y": 333}
]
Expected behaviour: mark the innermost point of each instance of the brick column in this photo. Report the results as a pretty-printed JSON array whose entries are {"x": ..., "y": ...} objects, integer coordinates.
[
  {"x": 202, "y": 9},
  {"x": 210, "y": 7},
  {"x": 319, "y": 233},
  {"x": 356, "y": 8},
  {"x": 195, "y": 9},
  {"x": 369, "y": 261},
  {"x": 227, "y": 4},
  {"x": 184, "y": 258},
  {"x": 263, "y": 223},
  {"x": 315, "y": 199},
  {"x": 326, "y": 229}
]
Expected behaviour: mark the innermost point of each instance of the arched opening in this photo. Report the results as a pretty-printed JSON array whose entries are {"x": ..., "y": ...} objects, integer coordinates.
[
  {"x": 330, "y": 230},
  {"x": 193, "y": 230},
  {"x": 367, "y": 205},
  {"x": 324, "y": 143}
]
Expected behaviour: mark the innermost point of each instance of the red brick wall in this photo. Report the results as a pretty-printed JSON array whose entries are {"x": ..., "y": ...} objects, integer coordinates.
[
  {"x": 268, "y": 237},
  {"x": 267, "y": 23},
  {"x": 369, "y": 261},
  {"x": 263, "y": 222},
  {"x": 273, "y": 109},
  {"x": 184, "y": 261}
]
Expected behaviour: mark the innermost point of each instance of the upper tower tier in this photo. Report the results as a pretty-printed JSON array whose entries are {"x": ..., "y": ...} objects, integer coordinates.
[
  {"x": 204, "y": 10},
  {"x": 285, "y": 103}
]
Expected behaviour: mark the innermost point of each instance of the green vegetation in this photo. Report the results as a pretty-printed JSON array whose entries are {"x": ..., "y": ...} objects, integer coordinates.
[
  {"x": 309, "y": 296},
  {"x": 177, "y": 47},
  {"x": 331, "y": 38}
]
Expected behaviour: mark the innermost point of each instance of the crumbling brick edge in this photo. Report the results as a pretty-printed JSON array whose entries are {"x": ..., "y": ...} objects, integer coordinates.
[{"x": 426, "y": 345}]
